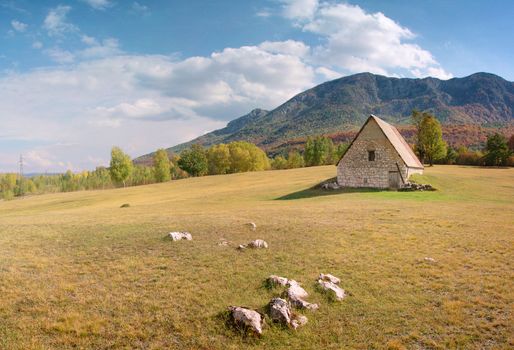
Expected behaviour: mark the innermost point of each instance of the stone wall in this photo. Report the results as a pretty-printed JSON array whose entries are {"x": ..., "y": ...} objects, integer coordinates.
[{"x": 355, "y": 170}]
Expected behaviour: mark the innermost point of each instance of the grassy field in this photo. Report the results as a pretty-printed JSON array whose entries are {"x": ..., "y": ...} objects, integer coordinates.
[{"x": 79, "y": 272}]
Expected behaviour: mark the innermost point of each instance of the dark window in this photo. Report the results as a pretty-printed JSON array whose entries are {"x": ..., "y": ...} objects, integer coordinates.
[{"x": 371, "y": 156}]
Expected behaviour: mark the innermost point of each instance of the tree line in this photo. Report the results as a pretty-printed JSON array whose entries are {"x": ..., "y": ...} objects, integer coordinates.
[
  {"x": 432, "y": 149},
  {"x": 241, "y": 156}
]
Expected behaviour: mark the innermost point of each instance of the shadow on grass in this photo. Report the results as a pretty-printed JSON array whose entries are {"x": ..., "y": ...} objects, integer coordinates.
[{"x": 317, "y": 191}]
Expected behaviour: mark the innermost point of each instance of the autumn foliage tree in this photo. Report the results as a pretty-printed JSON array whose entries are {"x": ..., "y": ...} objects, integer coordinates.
[
  {"x": 161, "y": 166},
  {"x": 121, "y": 166},
  {"x": 429, "y": 141}
]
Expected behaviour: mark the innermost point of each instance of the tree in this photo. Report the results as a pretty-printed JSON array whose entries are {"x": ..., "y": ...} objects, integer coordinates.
[
  {"x": 430, "y": 139},
  {"x": 218, "y": 158},
  {"x": 295, "y": 160},
  {"x": 245, "y": 156},
  {"x": 279, "y": 163},
  {"x": 194, "y": 161},
  {"x": 511, "y": 143},
  {"x": 340, "y": 150},
  {"x": 318, "y": 151},
  {"x": 497, "y": 150},
  {"x": 161, "y": 166},
  {"x": 121, "y": 166},
  {"x": 451, "y": 156},
  {"x": 417, "y": 118}
]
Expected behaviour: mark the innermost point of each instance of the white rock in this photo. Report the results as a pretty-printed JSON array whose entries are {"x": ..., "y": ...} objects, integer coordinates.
[
  {"x": 274, "y": 280},
  {"x": 330, "y": 278},
  {"x": 279, "y": 311},
  {"x": 247, "y": 317},
  {"x": 337, "y": 291},
  {"x": 299, "y": 321},
  {"x": 296, "y": 294},
  {"x": 177, "y": 236},
  {"x": 295, "y": 290},
  {"x": 258, "y": 243},
  {"x": 252, "y": 226},
  {"x": 303, "y": 304},
  {"x": 429, "y": 259}
]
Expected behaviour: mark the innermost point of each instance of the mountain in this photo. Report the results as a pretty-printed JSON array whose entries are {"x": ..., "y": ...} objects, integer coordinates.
[{"x": 478, "y": 103}]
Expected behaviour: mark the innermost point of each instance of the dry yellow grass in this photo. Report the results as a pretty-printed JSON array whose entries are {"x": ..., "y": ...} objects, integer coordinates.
[{"x": 77, "y": 271}]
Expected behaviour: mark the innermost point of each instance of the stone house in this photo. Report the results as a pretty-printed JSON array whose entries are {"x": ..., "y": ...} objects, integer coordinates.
[{"x": 378, "y": 157}]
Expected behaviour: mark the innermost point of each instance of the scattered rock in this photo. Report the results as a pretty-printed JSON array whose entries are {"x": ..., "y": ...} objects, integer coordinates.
[
  {"x": 279, "y": 311},
  {"x": 296, "y": 290},
  {"x": 247, "y": 318},
  {"x": 336, "y": 291},
  {"x": 258, "y": 243},
  {"x": 412, "y": 186},
  {"x": 273, "y": 281},
  {"x": 298, "y": 321},
  {"x": 252, "y": 226},
  {"x": 177, "y": 236},
  {"x": 432, "y": 260},
  {"x": 126, "y": 205},
  {"x": 296, "y": 295},
  {"x": 330, "y": 278},
  {"x": 330, "y": 186}
]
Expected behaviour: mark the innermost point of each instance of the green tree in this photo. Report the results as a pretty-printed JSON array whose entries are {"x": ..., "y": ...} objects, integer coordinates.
[
  {"x": 496, "y": 150},
  {"x": 279, "y": 163},
  {"x": 451, "y": 156},
  {"x": 194, "y": 161},
  {"x": 430, "y": 139},
  {"x": 121, "y": 166},
  {"x": 245, "y": 156},
  {"x": 161, "y": 166},
  {"x": 318, "y": 151},
  {"x": 218, "y": 158},
  {"x": 511, "y": 143},
  {"x": 340, "y": 150},
  {"x": 295, "y": 160}
]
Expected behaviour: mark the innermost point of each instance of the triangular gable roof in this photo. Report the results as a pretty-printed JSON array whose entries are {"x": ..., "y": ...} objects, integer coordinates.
[{"x": 398, "y": 142}]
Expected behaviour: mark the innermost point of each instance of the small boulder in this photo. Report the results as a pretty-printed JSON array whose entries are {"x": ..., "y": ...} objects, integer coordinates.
[
  {"x": 296, "y": 295},
  {"x": 330, "y": 278},
  {"x": 125, "y": 205},
  {"x": 177, "y": 236},
  {"x": 298, "y": 321},
  {"x": 429, "y": 259},
  {"x": 258, "y": 243},
  {"x": 336, "y": 291},
  {"x": 273, "y": 281},
  {"x": 279, "y": 311},
  {"x": 252, "y": 226},
  {"x": 247, "y": 318}
]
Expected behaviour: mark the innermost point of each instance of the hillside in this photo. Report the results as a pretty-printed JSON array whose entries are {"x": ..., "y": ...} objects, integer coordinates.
[
  {"x": 479, "y": 102},
  {"x": 79, "y": 272}
]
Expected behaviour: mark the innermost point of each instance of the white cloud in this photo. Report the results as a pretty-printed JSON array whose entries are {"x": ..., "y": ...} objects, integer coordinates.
[
  {"x": 138, "y": 102},
  {"x": 299, "y": 9},
  {"x": 56, "y": 23},
  {"x": 357, "y": 41},
  {"x": 288, "y": 47},
  {"x": 99, "y": 4},
  {"x": 59, "y": 55},
  {"x": 108, "y": 47},
  {"x": 19, "y": 26}
]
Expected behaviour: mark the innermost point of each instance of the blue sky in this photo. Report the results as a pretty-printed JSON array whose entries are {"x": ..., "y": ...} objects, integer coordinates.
[{"x": 78, "y": 77}]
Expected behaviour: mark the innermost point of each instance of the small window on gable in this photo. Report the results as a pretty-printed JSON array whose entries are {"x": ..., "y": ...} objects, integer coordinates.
[{"x": 371, "y": 156}]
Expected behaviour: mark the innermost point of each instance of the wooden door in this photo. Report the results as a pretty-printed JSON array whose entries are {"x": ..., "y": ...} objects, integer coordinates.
[{"x": 394, "y": 179}]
